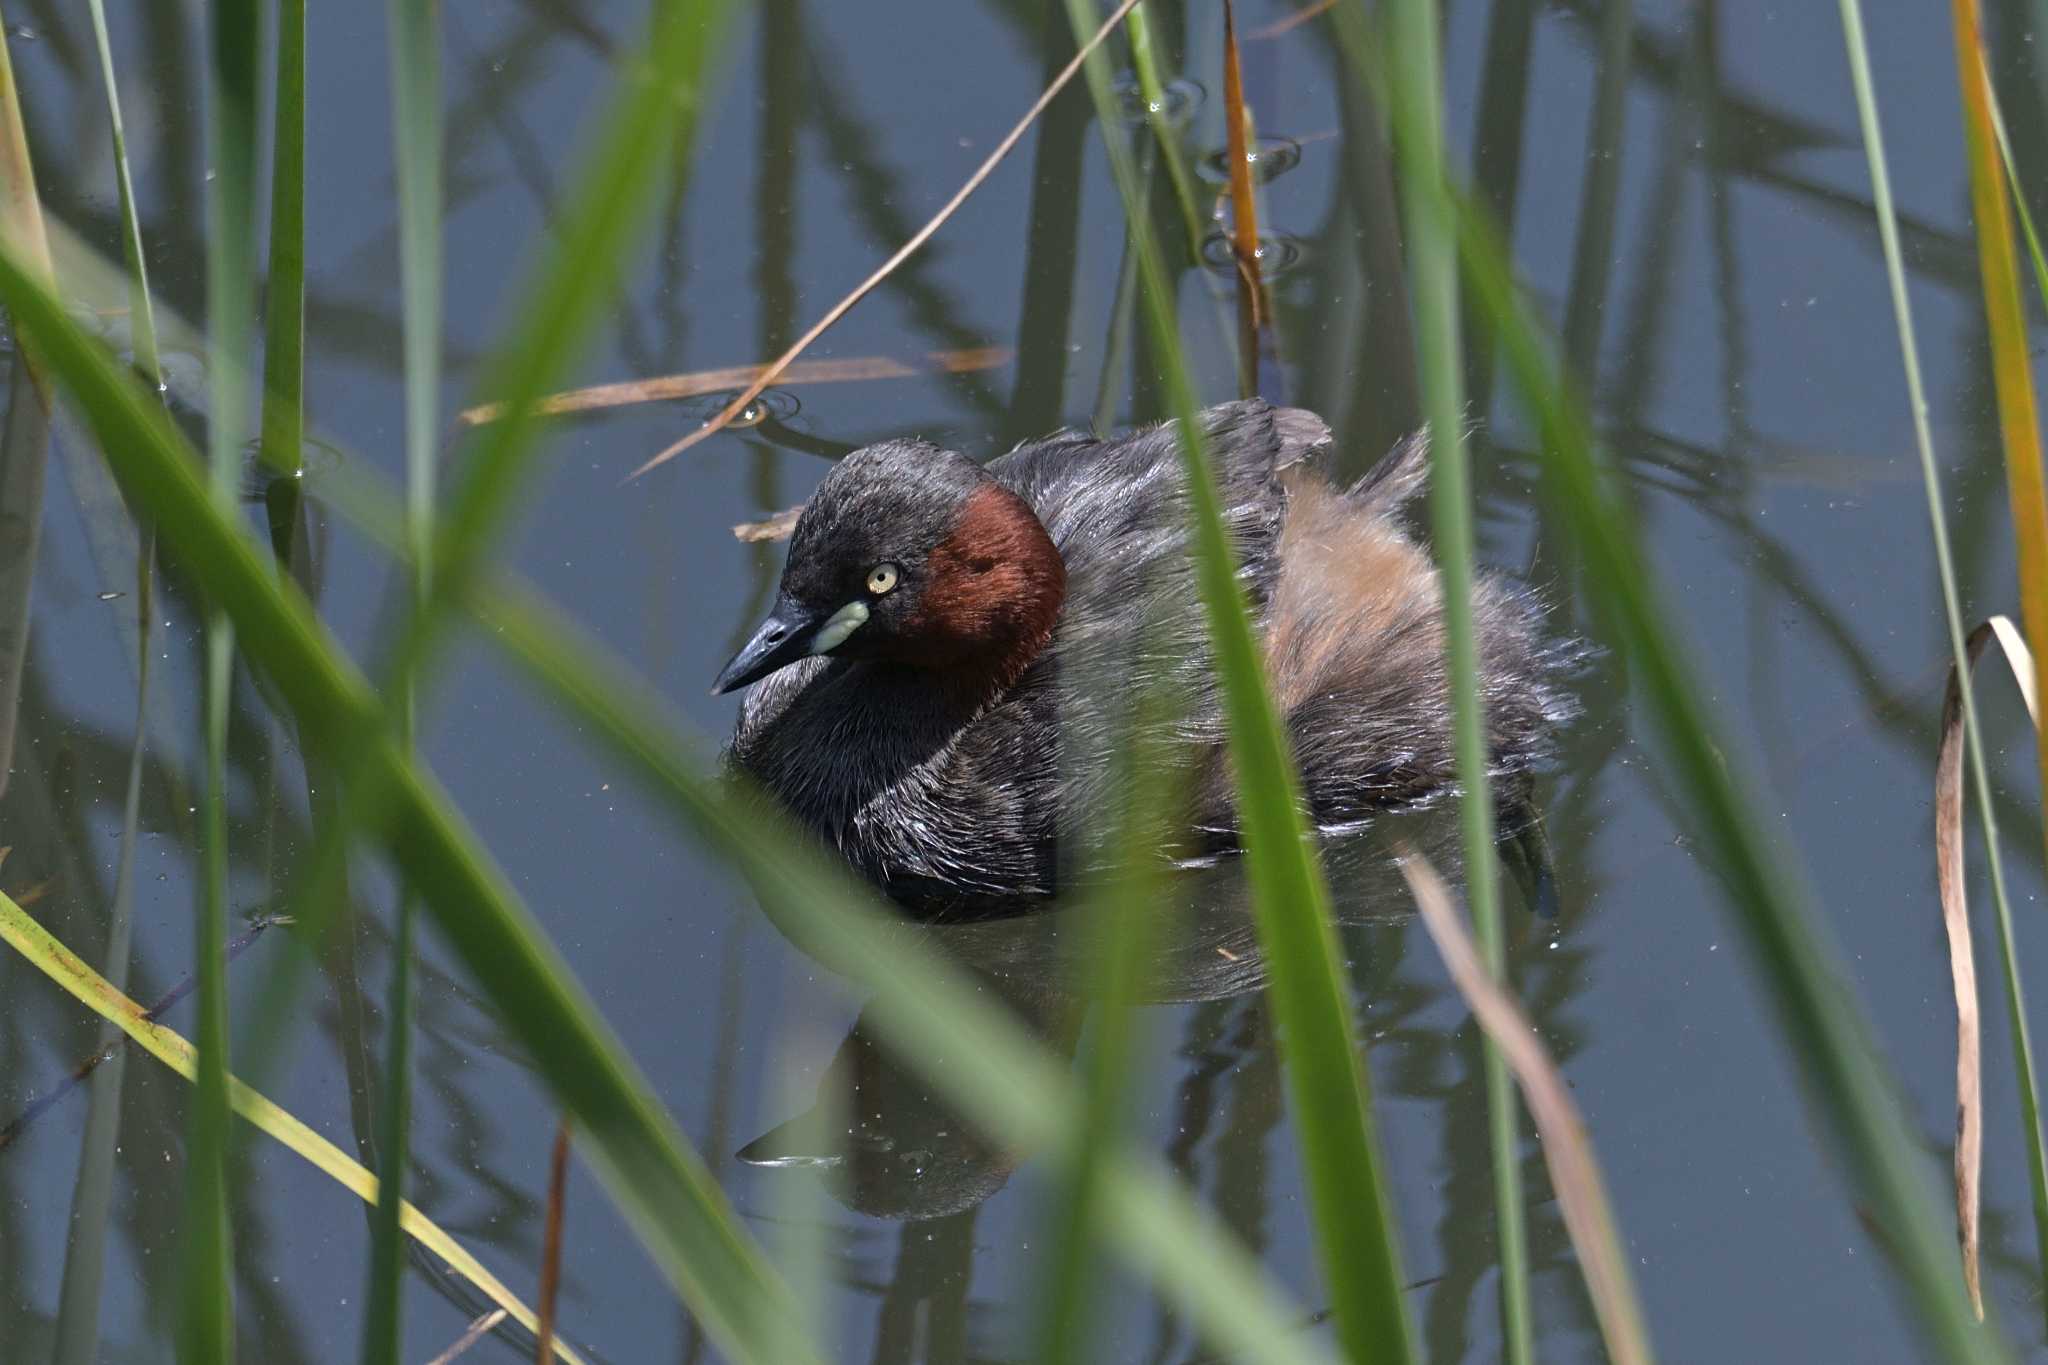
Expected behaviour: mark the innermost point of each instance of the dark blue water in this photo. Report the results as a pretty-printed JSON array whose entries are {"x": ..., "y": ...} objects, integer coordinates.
[{"x": 1710, "y": 251}]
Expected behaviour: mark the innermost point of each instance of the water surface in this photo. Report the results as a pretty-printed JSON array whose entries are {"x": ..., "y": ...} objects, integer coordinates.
[{"x": 1702, "y": 238}]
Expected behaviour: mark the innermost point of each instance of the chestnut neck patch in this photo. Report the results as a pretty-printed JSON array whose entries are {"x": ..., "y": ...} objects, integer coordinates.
[{"x": 992, "y": 592}]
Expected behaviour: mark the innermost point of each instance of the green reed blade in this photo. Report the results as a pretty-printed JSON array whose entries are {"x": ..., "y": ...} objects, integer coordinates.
[
  {"x": 69, "y": 972},
  {"x": 661, "y": 94},
  {"x": 416, "y": 123},
  {"x": 1433, "y": 266},
  {"x": 283, "y": 424},
  {"x": 141, "y": 309},
  {"x": 1895, "y": 273},
  {"x": 2018, "y": 412},
  {"x": 655, "y": 108},
  {"x": 656, "y": 1180},
  {"x": 927, "y": 1010},
  {"x": 1158, "y": 117},
  {"x": 1327, "y": 1080},
  {"x": 1109, "y": 986},
  {"x": 207, "y": 1320},
  {"x": 1851, "y": 1086},
  {"x": 78, "y": 1305},
  {"x": 1149, "y": 1218},
  {"x": 25, "y": 442}
]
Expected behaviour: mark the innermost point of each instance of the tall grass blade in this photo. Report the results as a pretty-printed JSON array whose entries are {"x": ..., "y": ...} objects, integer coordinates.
[
  {"x": 1159, "y": 118},
  {"x": 1851, "y": 1086},
  {"x": 925, "y": 1009},
  {"x": 25, "y": 438},
  {"x": 1567, "y": 1147},
  {"x": 651, "y": 1174},
  {"x": 282, "y": 427},
  {"x": 1845, "y": 1074},
  {"x": 1326, "y": 1074},
  {"x": 1962, "y": 962},
  {"x": 903, "y": 253},
  {"x": 2022, "y": 449},
  {"x": 1111, "y": 986},
  {"x": 416, "y": 125},
  {"x": 22, "y": 933},
  {"x": 658, "y": 1183},
  {"x": 930, "y": 1015},
  {"x": 141, "y": 308},
  {"x": 662, "y": 93},
  {"x": 2018, "y": 413},
  {"x": 206, "y": 1329},
  {"x": 1433, "y": 268},
  {"x": 78, "y": 1299}
]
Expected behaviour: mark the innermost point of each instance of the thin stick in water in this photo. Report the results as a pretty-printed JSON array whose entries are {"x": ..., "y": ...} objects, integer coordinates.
[
  {"x": 1567, "y": 1148},
  {"x": 471, "y": 1335},
  {"x": 697, "y": 383},
  {"x": 903, "y": 253}
]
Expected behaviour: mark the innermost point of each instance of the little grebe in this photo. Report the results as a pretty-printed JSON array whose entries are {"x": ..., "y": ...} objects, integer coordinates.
[{"x": 909, "y": 702}]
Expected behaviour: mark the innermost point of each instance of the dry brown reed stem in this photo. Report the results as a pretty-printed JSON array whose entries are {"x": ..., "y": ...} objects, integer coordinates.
[
  {"x": 1567, "y": 1149},
  {"x": 471, "y": 1335},
  {"x": 551, "y": 1247},
  {"x": 1244, "y": 206},
  {"x": 903, "y": 253},
  {"x": 697, "y": 383},
  {"x": 1955, "y": 920},
  {"x": 778, "y": 527}
]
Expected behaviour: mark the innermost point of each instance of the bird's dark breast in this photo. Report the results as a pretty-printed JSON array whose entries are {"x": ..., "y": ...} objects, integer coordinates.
[{"x": 948, "y": 814}]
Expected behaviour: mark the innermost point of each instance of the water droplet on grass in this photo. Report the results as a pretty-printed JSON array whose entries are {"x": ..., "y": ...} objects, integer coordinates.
[
  {"x": 1270, "y": 157},
  {"x": 1178, "y": 100},
  {"x": 1277, "y": 253}
]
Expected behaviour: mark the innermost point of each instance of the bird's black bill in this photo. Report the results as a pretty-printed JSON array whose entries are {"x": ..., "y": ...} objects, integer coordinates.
[{"x": 783, "y": 638}]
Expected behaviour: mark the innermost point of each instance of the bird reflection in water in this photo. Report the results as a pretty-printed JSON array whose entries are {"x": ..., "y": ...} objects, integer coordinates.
[{"x": 904, "y": 1152}]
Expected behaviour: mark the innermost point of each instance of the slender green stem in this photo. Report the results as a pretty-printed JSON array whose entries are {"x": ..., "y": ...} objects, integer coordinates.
[
  {"x": 84, "y": 1253},
  {"x": 25, "y": 429},
  {"x": 656, "y": 1179},
  {"x": 1432, "y": 252},
  {"x": 1111, "y": 984},
  {"x": 207, "y": 1329},
  {"x": 1159, "y": 117},
  {"x": 1853, "y": 1089},
  {"x": 1327, "y": 1079},
  {"x": 1958, "y": 628},
  {"x": 416, "y": 90},
  {"x": 657, "y": 105},
  {"x": 141, "y": 310},
  {"x": 283, "y": 424}
]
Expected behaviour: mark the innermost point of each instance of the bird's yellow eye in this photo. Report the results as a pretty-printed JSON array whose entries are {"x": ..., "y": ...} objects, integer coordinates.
[{"x": 881, "y": 579}]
